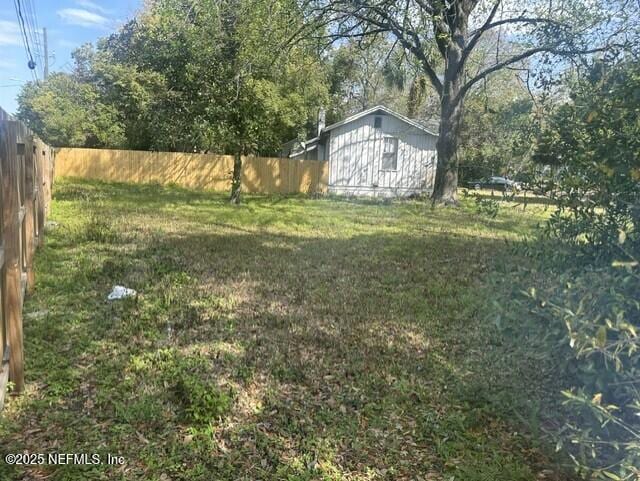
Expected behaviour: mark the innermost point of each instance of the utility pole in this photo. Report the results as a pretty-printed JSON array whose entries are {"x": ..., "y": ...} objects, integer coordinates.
[{"x": 46, "y": 53}]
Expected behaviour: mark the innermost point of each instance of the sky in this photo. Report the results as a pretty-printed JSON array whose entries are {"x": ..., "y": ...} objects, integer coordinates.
[{"x": 69, "y": 24}]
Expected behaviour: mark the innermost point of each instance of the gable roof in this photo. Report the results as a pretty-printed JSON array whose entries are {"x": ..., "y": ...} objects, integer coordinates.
[
  {"x": 379, "y": 108},
  {"x": 289, "y": 149}
]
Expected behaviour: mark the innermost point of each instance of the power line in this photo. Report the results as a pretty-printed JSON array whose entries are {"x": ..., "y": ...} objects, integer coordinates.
[
  {"x": 25, "y": 39},
  {"x": 32, "y": 20},
  {"x": 29, "y": 24}
]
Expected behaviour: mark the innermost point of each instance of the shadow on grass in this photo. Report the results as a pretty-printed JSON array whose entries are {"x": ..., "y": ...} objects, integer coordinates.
[{"x": 361, "y": 357}]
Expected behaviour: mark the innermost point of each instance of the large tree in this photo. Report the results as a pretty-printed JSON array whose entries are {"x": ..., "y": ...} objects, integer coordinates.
[
  {"x": 67, "y": 113},
  {"x": 188, "y": 75},
  {"x": 443, "y": 37},
  {"x": 207, "y": 75}
]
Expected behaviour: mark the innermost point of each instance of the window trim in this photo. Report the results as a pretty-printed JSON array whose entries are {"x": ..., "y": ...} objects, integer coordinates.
[{"x": 395, "y": 152}]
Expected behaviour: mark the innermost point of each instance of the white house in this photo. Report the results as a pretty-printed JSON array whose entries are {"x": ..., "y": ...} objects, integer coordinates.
[{"x": 377, "y": 152}]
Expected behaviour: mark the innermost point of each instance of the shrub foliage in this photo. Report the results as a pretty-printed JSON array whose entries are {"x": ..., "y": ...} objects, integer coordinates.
[{"x": 592, "y": 144}]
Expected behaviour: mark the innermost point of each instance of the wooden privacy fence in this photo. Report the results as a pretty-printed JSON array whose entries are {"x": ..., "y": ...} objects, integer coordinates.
[
  {"x": 198, "y": 171},
  {"x": 26, "y": 173}
]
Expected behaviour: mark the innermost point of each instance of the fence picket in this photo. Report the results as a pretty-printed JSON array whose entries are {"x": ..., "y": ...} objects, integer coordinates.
[
  {"x": 263, "y": 175},
  {"x": 26, "y": 172}
]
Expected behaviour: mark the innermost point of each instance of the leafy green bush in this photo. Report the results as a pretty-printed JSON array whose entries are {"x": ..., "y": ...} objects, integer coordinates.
[
  {"x": 483, "y": 206},
  {"x": 202, "y": 402},
  {"x": 488, "y": 207},
  {"x": 593, "y": 147},
  {"x": 597, "y": 311}
]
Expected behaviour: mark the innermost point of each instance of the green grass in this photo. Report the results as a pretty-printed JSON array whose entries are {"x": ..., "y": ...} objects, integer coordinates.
[{"x": 286, "y": 338}]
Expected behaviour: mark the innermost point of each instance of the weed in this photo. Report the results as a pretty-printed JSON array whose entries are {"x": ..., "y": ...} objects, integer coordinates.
[
  {"x": 99, "y": 229},
  {"x": 203, "y": 402}
]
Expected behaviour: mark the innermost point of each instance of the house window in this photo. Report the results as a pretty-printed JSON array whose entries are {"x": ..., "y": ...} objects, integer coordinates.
[
  {"x": 377, "y": 122},
  {"x": 390, "y": 154}
]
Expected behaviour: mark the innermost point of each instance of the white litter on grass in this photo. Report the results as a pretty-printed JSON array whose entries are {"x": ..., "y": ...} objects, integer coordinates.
[
  {"x": 36, "y": 314},
  {"x": 120, "y": 292}
]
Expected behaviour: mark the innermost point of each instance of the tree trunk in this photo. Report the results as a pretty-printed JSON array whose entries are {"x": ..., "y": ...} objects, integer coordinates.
[
  {"x": 455, "y": 21},
  {"x": 236, "y": 180},
  {"x": 446, "y": 182}
]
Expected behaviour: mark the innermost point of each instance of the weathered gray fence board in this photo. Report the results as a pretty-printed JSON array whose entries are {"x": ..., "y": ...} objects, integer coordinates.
[{"x": 26, "y": 172}]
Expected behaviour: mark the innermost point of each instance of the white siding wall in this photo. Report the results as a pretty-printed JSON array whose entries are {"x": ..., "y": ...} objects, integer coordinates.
[{"x": 355, "y": 156}]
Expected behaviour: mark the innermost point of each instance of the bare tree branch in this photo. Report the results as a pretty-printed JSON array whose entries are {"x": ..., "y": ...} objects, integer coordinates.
[
  {"x": 526, "y": 20},
  {"x": 476, "y": 37},
  {"x": 552, "y": 49},
  {"x": 407, "y": 37}
]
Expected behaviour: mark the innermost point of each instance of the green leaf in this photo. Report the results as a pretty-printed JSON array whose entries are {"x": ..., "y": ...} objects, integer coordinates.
[
  {"x": 622, "y": 236},
  {"x": 611, "y": 475}
]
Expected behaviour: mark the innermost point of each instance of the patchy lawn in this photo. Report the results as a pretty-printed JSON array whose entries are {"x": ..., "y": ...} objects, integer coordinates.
[{"x": 287, "y": 338}]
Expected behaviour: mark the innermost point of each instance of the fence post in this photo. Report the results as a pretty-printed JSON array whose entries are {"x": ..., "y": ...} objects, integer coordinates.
[
  {"x": 29, "y": 210},
  {"x": 47, "y": 181},
  {"x": 11, "y": 285},
  {"x": 4, "y": 350},
  {"x": 39, "y": 190}
]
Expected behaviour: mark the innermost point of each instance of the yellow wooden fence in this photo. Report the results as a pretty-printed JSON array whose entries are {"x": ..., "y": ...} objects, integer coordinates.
[{"x": 197, "y": 171}]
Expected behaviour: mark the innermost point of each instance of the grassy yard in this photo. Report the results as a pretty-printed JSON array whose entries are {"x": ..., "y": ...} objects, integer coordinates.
[{"x": 287, "y": 338}]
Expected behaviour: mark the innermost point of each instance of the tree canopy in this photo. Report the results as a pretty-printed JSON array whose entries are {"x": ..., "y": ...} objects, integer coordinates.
[
  {"x": 65, "y": 111},
  {"x": 188, "y": 76}
]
